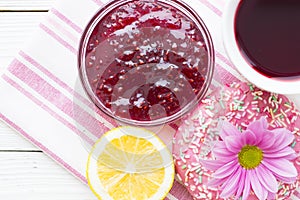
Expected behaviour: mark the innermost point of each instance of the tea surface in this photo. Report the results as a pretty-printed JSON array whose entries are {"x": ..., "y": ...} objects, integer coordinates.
[{"x": 268, "y": 34}]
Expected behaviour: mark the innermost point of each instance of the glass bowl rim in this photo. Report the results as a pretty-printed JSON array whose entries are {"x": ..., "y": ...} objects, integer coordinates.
[{"x": 192, "y": 15}]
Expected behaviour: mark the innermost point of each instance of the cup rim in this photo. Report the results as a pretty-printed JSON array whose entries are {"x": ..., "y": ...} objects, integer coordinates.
[
  {"x": 282, "y": 85},
  {"x": 190, "y": 13}
]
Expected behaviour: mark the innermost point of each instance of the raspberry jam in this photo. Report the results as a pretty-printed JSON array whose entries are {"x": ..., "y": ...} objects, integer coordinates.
[
  {"x": 146, "y": 61},
  {"x": 268, "y": 35}
]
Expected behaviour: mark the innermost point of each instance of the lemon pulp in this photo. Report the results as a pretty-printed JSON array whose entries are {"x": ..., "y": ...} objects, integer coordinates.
[{"x": 130, "y": 163}]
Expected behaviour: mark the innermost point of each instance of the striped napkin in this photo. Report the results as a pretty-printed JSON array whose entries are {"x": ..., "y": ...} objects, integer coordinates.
[{"x": 42, "y": 98}]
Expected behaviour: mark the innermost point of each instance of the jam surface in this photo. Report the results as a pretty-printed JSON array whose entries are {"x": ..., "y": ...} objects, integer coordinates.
[
  {"x": 268, "y": 34},
  {"x": 146, "y": 60}
]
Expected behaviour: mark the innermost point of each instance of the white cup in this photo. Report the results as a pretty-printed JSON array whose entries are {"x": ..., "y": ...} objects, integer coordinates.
[{"x": 283, "y": 85}]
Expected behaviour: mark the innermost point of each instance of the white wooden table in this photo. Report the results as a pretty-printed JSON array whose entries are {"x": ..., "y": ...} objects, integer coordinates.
[{"x": 25, "y": 172}]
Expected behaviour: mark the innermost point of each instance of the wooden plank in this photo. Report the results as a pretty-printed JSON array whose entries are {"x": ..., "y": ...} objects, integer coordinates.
[
  {"x": 34, "y": 176},
  {"x": 13, "y": 141},
  {"x": 16, "y": 5},
  {"x": 15, "y": 30}
]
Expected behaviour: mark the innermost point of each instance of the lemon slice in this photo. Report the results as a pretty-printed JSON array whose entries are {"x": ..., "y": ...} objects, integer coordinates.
[{"x": 130, "y": 163}]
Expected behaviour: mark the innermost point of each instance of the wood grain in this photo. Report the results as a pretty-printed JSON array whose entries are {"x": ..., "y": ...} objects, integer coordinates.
[
  {"x": 21, "y": 5},
  {"x": 15, "y": 30},
  {"x": 25, "y": 172},
  {"x": 12, "y": 141},
  {"x": 34, "y": 176}
]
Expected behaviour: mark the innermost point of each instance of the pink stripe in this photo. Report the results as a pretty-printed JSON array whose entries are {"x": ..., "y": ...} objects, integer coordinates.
[
  {"x": 224, "y": 59},
  {"x": 179, "y": 191},
  {"x": 211, "y": 7},
  {"x": 44, "y": 149},
  {"x": 57, "y": 98},
  {"x": 224, "y": 76},
  {"x": 219, "y": 13},
  {"x": 67, "y": 20},
  {"x": 58, "y": 38},
  {"x": 47, "y": 109},
  {"x": 62, "y": 29},
  {"x": 221, "y": 71},
  {"x": 66, "y": 87},
  {"x": 207, "y": 3},
  {"x": 98, "y": 2}
]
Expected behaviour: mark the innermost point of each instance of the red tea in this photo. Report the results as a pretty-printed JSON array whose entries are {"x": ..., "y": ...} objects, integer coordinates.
[
  {"x": 268, "y": 35},
  {"x": 146, "y": 60}
]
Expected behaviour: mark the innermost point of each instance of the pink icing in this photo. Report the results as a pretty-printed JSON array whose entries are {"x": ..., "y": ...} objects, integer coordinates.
[{"x": 239, "y": 103}]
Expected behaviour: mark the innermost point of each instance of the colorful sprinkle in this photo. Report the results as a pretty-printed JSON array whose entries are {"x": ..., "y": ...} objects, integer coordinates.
[{"x": 239, "y": 106}]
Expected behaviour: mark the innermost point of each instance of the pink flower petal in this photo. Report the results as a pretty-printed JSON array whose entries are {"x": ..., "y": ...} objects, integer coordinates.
[
  {"x": 281, "y": 167},
  {"x": 216, "y": 182},
  {"x": 220, "y": 145},
  {"x": 233, "y": 143},
  {"x": 228, "y": 129},
  {"x": 283, "y": 137},
  {"x": 287, "y": 152},
  {"x": 264, "y": 193},
  {"x": 258, "y": 189},
  {"x": 241, "y": 184},
  {"x": 267, "y": 179},
  {"x": 260, "y": 124},
  {"x": 226, "y": 170},
  {"x": 248, "y": 138},
  {"x": 271, "y": 195},
  {"x": 291, "y": 157},
  {"x": 246, "y": 190},
  {"x": 231, "y": 185},
  {"x": 212, "y": 165},
  {"x": 267, "y": 140},
  {"x": 221, "y": 152},
  {"x": 285, "y": 179}
]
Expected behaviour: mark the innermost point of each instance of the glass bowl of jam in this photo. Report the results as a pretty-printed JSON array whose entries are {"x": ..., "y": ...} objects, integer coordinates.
[{"x": 146, "y": 62}]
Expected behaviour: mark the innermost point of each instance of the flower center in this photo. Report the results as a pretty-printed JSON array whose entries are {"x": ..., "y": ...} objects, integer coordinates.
[{"x": 250, "y": 157}]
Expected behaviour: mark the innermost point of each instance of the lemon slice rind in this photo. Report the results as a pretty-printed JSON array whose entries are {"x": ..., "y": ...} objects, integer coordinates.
[{"x": 92, "y": 166}]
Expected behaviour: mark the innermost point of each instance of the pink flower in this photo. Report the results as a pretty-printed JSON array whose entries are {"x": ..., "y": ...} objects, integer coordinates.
[{"x": 252, "y": 160}]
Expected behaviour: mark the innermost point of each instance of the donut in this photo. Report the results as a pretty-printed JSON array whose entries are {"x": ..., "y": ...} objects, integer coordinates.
[{"x": 240, "y": 104}]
